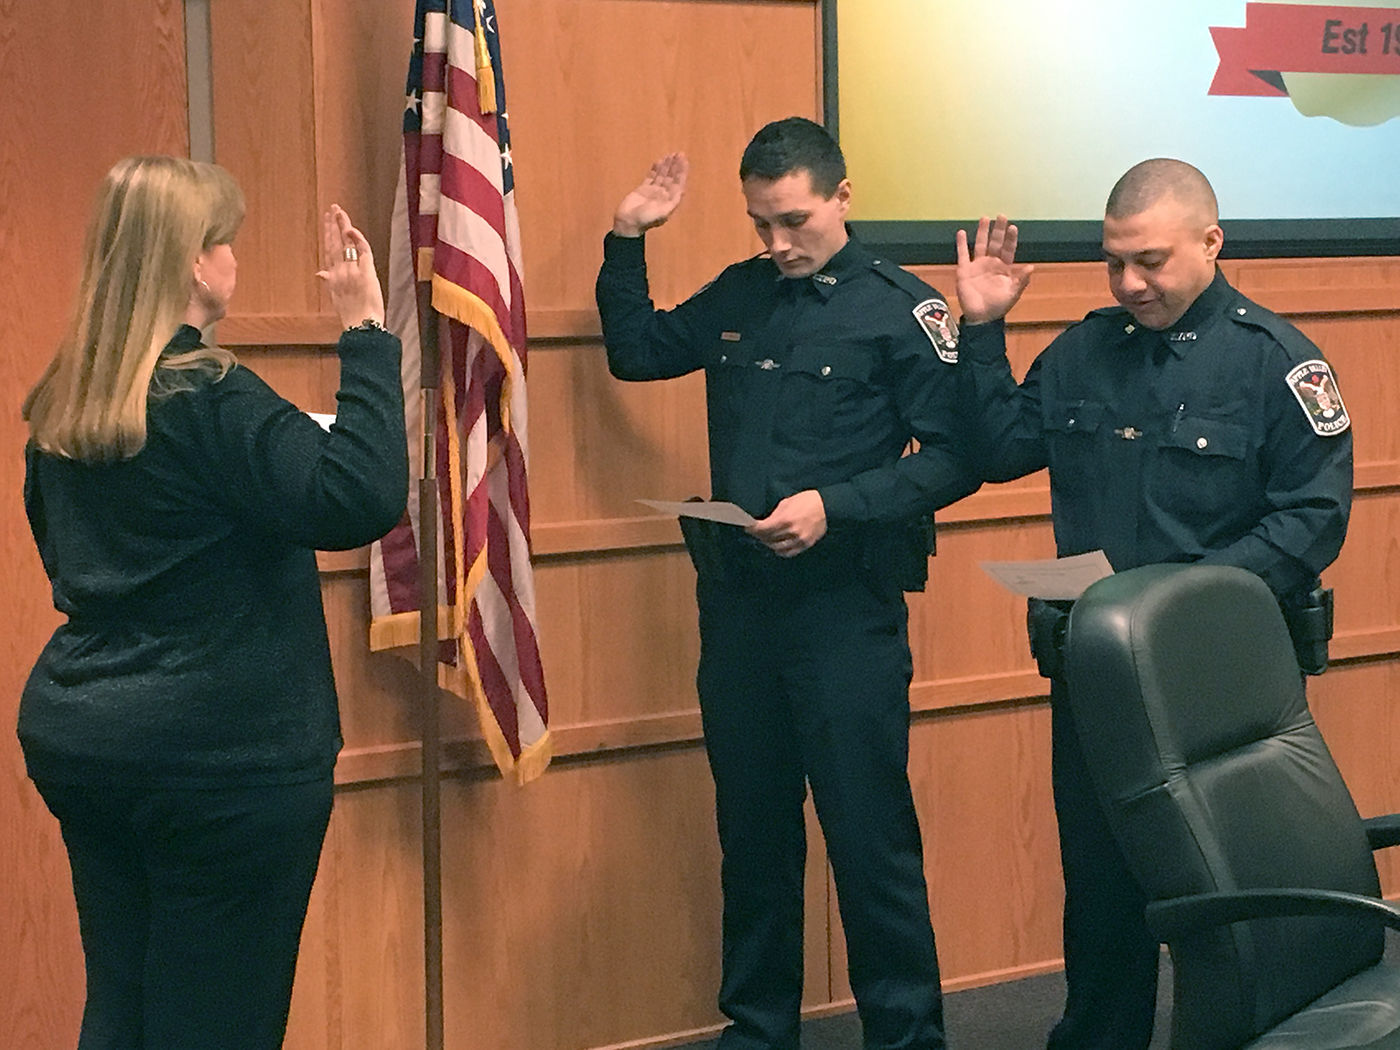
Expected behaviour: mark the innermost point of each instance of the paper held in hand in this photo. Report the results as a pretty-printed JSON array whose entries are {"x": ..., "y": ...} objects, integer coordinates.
[
  {"x": 726, "y": 513},
  {"x": 1055, "y": 578}
]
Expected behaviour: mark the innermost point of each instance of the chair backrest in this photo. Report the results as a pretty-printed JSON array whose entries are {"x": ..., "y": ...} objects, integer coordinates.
[{"x": 1192, "y": 716}]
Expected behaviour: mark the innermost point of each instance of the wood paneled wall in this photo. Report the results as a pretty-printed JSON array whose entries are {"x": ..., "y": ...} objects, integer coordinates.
[{"x": 582, "y": 911}]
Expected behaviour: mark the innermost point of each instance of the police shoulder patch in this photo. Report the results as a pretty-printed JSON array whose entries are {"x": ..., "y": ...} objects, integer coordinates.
[
  {"x": 938, "y": 324},
  {"x": 1315, "y": 388}
]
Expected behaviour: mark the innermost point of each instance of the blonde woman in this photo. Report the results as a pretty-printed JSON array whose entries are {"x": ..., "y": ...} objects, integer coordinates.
[{"x": 182, "y": 724}]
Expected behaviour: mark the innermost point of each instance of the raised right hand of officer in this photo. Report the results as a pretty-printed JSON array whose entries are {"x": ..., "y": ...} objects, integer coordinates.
[
  {"x": 654, "y": 201},
  {"x": 988, "y": 280}
]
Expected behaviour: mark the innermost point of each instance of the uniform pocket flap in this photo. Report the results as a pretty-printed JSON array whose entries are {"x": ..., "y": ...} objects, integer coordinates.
[
  {"x": 1208, "y": 437},
  {"x": 831, "y": 362},
  {"x": 1073, "y": 417}
]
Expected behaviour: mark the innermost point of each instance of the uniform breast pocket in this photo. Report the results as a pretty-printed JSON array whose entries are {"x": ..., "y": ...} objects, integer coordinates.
[
  {"x": 827, "y": 390},
  {"x": 1071, "y": 429},
  {"x": 1203, "y": 469},
  {"x": 725, "y": 372}
]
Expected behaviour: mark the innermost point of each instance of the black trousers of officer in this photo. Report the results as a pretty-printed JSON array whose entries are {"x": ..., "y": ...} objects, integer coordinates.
[
  {"x": 810, "y": 684},
  {"x": 1110, "y": 958},
  {"x": 191, "y": 905}
]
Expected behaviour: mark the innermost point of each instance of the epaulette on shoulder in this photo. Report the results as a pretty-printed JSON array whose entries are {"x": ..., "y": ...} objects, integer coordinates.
[
  {"x": 1108, "y": 315},
  {"x": 1249, "y": 314},
  {"x": 1115, "y": 311},
  {"x": 737, "y": 270},
  {"x": 762, "y": 262},
  {"x": 905, "y": 281},
  {"x": 752, "y": 260}
]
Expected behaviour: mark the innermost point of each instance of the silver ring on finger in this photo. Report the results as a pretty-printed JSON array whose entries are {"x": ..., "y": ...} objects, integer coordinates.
[{"x": 352, "y": 254}]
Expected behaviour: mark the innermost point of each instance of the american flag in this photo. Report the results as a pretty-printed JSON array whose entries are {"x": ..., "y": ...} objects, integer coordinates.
[{"x": 455, "y": 224}]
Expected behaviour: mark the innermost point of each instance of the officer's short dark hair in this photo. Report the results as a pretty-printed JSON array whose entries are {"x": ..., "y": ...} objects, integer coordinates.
[
  {"x": 794, "y": 144},
  {"x": 1148, "y": 181}
]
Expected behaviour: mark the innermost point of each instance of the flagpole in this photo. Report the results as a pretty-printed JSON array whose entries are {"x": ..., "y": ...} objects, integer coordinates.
[{"x": 427, "y": 664}]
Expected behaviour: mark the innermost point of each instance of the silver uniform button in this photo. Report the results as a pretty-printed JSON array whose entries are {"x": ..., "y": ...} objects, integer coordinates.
[
  {"x": 1201, "y": 442},
  {"x": 826, "y": 370},
  {"x": 1240, "y": 311}
]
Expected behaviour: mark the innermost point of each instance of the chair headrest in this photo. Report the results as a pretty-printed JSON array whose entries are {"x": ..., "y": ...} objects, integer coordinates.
[{"x": 1197, "y": 658}]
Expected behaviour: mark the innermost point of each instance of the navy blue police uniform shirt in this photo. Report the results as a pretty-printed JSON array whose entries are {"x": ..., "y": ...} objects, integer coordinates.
[
  {"x": 818, "y": 382},
  {"x": 1222, "y": 440}
]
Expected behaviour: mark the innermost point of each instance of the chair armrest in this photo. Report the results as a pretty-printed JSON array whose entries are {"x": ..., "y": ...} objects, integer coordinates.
[
  {"x": 1383, "y": 831},
  {"x": 1170, "y": 920}
]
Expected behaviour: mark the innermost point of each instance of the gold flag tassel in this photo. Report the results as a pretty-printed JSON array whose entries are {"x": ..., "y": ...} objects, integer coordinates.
[{"x": 485, "y": 75}]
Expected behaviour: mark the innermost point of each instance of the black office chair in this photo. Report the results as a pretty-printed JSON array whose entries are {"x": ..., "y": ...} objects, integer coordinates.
[{"x": 1232, "y": 814}]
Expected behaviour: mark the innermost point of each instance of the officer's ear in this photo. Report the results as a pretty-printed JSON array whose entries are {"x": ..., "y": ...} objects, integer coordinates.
[
  {"x": 842, "y": 196},
  {"x": 1214, "y": 241}
]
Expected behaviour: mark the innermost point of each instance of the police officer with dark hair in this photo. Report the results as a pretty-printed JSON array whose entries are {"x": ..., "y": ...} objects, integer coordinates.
[
  {"x": 822, "y": 363},
  {"x": 1188, "y": 424}
]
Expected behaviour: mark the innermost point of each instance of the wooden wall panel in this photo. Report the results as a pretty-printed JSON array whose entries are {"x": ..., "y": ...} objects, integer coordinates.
[
  {"x": 1366, "y": 579},
  {"x": 966, "y": 632},
  {"x": 600, "y": 89},
  {"x": 600, "y": 445},
  {"x": 265, "y": 134},
  {"x": 1355, "y": 708},
  {"x": 981, "y": 779}
]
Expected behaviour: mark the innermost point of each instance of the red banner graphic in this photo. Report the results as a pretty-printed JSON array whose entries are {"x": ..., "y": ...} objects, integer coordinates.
[{"x": 1302, "y": 38}]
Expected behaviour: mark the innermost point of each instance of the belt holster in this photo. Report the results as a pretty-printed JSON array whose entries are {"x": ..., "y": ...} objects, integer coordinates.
[
  {"x": 1046, "y": 623},
  {"x": 1309, "y": 622},
  {"x": 703, "y": 542}
]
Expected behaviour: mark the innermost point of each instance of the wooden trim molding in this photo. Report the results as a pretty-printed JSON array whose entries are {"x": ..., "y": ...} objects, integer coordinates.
[
  {"x": 402, "y": 760},
  {"x": 1376, "y": 477},
  {"x": 1369, "y": 643},
  {"x": 993, "y": 503},
  {"x": 933, "y": 698},
  {"x": 1065, "y": 292},
  {"x": 260, "y": 331}
]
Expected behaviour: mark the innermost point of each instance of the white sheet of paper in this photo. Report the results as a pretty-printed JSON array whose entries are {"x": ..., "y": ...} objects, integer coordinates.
[
  {"x": 727, "y": 513},
  {"x": 1057, "y": 578}
]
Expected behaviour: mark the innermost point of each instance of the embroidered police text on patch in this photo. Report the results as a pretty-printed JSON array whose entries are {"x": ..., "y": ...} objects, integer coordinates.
[
  {"x": 939, "y": 326},
  {"x": 1316, "y": 390}
]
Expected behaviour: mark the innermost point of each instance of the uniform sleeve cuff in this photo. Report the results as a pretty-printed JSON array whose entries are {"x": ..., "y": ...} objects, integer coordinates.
[
  {"x": 983, "y": 342},
  {"x": 840, "y": 502}
]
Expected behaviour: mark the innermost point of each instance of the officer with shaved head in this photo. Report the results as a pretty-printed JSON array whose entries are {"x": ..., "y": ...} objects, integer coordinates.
[{"x": 1186, "y": 424}]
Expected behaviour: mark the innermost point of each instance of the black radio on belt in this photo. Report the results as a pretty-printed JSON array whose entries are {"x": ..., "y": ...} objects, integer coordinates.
[
  {"x": 1309, "y": 620},
  {"x": 898, "y": 552},
  {"x": 1046, "y": 622}
]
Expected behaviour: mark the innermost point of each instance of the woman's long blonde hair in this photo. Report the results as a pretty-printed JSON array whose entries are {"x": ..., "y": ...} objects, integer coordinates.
[{"x": 154, "y": 216}]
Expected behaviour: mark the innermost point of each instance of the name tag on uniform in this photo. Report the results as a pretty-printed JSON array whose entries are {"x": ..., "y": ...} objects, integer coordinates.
[{"x": 729, "y": 337}]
